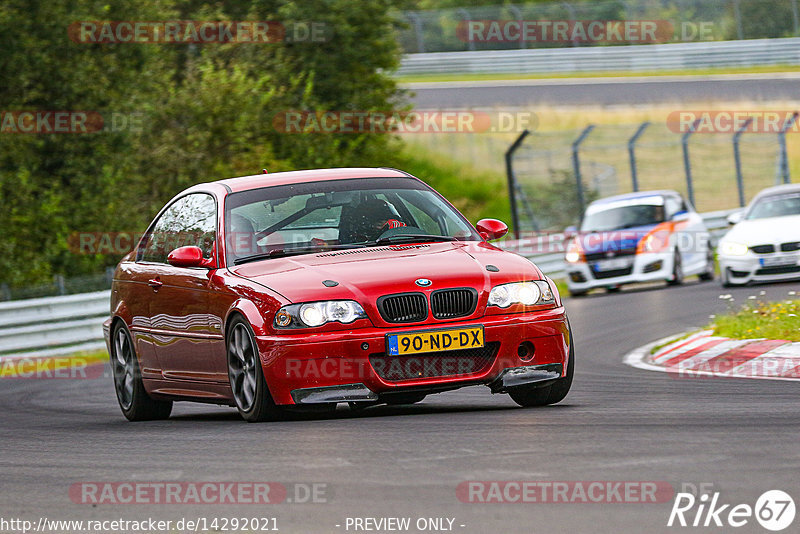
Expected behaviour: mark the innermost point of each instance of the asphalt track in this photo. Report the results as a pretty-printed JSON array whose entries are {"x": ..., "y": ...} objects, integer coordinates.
[
  {"x": 638, "y": 90},
  {"x": 617, "y": 424}
]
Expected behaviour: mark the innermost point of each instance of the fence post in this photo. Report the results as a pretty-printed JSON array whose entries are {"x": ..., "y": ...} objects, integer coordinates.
[
  {"x": 784, "y": 157},
  {"x": 572, "y": 16},
  {"x": 59, "y": 281},
  {"x": 632, "y": 153},
  {"x": 576, "y": 165},
  {"x": 517, "y": 13},
  {"x": 737, "y": 159},
  {"x": 417, "y": 23},
  {"x": 737, "y": 13},
  {"x": 512, "y": 180},
  {"x": 795, "y": 17},
  {"x": 687, "y": 164},
  {"x": 465, "y": 16}
]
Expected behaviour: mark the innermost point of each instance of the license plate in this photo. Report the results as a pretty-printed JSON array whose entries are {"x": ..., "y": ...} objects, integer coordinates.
[
  {"x": 434, "y": 341},
  {"x": 612, "y": 265},
  {"x": 779, "y": 261}
]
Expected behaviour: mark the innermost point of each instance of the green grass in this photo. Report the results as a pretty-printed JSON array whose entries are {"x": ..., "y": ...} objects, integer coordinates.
[
  {"x": 771, "y": 320},
  {"x": 460, "y": 77}
]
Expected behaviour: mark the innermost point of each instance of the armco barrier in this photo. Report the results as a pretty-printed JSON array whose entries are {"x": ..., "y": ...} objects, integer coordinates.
[
  {"x": 677, "y": 56},
  {"x": 53, "y": 325},
  {"x": 63, "y": 325}
]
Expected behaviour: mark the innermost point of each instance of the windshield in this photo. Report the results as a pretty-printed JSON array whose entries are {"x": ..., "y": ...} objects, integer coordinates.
[
  {"x": 775, "y": 206},
  {"x": 336, "y": 214},
  {"x": 606, "y": 219}
]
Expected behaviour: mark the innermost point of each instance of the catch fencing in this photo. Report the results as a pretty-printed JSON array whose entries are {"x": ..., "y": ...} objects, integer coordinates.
[
  {"x": 442, "y": 30},
  {"x": 553, "y": 176}
]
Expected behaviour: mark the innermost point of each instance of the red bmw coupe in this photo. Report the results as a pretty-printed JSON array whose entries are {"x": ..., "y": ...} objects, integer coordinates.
[{"x": 310, "y": 288}]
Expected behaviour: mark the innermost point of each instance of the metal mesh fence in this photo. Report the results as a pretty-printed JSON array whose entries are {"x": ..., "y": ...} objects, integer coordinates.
[
  {"x": 59, "y": 286},
  {"x": 547, "y": 168},
  {"x": 690, "y": 20}
]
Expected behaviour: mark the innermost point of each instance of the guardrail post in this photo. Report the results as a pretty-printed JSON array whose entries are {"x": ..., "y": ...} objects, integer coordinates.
[
  {"x": 783, "y": 156},
  {"x": 687, "y": 163},
  {"x": 737, "y": 159},
  {"x": 632, "y": 153},
  {"x": 576, "y": 165},
  {"x": 5, "y": 292},
  {"x": 795, "y": 17},
  {"x": 512, "y": 180}
]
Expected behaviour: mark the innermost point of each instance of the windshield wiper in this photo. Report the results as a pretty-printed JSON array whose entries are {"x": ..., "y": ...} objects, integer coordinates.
[
  {"x": 296, "y": 251},
  {"x": 411, "y": 237}
]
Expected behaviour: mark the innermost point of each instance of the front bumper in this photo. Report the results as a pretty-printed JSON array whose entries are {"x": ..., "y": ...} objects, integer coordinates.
[
  {"x": 335, "y": 366},
  {"x": 748, "y": 268},
  {"x": 646, "y": 267}
]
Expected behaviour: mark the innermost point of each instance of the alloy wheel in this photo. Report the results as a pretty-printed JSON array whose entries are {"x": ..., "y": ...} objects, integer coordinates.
[{"x": 242, "y": 367}]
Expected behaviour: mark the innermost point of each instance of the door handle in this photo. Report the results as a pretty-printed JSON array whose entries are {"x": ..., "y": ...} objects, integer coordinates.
[{"x": 155, "y": 283}]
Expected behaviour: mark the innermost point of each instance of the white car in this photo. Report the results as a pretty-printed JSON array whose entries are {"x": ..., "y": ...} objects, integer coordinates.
[
  {"x": 764, "y": 243},
  {"x": 639, "y": 237}
]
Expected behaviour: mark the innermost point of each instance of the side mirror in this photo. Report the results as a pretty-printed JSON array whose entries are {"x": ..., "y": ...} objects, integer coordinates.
[
  {"x": 735, "y": 218},
  {"x": 570, "y": 231},
  {"x": 186, "y": 257},
  {"x": 680, "y": 216},
  {"x": 491, "y": 229}
]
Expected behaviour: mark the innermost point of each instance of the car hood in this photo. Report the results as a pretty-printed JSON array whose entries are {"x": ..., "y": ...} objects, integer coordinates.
[
  {"x": 597, "y": 242},
  {"x": 367, "y": 273},
  {"x": 766, "y": 231}
]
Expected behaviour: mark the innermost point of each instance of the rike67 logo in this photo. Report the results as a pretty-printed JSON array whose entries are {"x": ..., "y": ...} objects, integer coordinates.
[{"x": 774, "y": 510}]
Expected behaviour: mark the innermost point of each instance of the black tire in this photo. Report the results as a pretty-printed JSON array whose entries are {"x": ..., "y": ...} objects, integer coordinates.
[
  {"x": 531, "y": 396},
  {"x": 677, "y": 271},
  {"x": 708, "y": 274},
  {"x": 577, "y": 294},
  {"x": 135, "y": 403},
  {"x": 614, "y": 289},
  {"x": 259, "y": 406}
]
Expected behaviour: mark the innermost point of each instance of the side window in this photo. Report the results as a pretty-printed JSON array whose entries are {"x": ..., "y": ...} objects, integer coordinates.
[{"x": 191, "y": 220}]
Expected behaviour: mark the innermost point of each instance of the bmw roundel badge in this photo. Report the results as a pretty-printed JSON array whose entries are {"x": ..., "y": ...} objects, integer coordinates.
[{"x": 423, "y": 282}]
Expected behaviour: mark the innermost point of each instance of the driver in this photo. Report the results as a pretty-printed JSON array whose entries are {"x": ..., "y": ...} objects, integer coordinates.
[{"x": 376, "y": 216}]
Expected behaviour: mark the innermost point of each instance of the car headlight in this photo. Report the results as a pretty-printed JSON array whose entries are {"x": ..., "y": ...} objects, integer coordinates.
[
  {"x": 731, "y": 248},
  {"x": 574, "y": 252},
  {"x": 313, "y": 314},
  {"x": 526, "y": 293}
]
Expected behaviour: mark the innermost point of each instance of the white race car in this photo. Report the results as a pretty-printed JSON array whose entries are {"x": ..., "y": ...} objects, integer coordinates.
[
  {"x": 764, "y": 243},
  {"x": 638, "y": 237}
]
